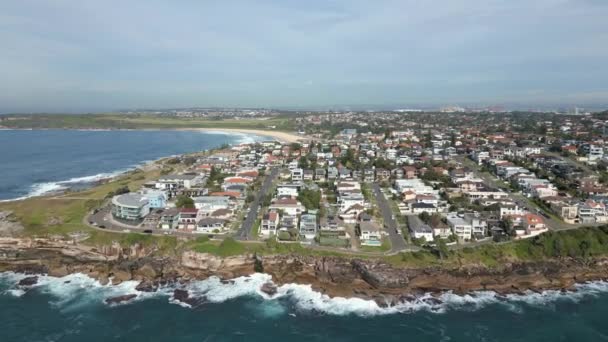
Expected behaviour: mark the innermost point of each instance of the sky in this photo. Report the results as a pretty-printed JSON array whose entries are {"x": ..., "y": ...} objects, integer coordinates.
[{"x": 60, "y": 55}]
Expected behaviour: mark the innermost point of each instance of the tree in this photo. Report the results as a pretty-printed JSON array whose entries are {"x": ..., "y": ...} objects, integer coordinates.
[
  {"x": 558, "y": 247},
  {"x": 441, "y": 248},
  {"x": 584, "y": 246},
  {"x": 310, "y": 198},
  {"x": 267, "y": 200},
  {"x": 303, "y": 163},
  {"x": 189, "y": 161},
  {"x": 424, "y": 216},
  {"x": 508, "y": 226},
  {"x": 184, "y": 202}
]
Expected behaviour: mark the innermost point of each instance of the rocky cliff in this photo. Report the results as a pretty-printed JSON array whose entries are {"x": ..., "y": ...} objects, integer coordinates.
[{"x": 346, "y": 277}]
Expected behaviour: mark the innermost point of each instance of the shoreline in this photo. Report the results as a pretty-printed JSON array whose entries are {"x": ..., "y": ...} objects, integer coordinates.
[
  {"x": 331, "y": 278},
  {"x": 280, "y": 136},
  {"x": 101, "y": 178}
]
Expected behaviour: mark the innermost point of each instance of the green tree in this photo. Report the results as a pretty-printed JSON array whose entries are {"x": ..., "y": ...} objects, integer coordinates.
[
  {"x": 441, "y": 248},
  {"x": 425, "y": 217},
  {"x": 184, "y": 202},
  {"x": 310, "y": 198}
]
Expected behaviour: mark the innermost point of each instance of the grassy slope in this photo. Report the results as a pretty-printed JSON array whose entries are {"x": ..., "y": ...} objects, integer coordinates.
[
  {"x": 61, "y": 215},
  {"x": 124, "y": 121}
]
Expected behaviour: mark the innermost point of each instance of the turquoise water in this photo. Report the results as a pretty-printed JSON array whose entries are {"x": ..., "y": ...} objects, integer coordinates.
[
  {"x": 73, "y": 309},
  {"x": 41, "y": 161}
]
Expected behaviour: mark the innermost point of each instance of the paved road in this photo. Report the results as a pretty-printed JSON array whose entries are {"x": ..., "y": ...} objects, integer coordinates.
[
  {"x": 521, "y": 200},
  {"x": 397, "y": 241},
  {"x": 245, "y": 232},
  {"x": 101, "y": 220},
  {"x": 586, "y": 169}
]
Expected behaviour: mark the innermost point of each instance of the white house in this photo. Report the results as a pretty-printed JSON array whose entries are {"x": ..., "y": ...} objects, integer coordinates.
[
  {"x": 297, "y": 175},
  {"x": 419, "y": 229},
  {"x": 290, "y": 206},
  {"x": 370, "y": 234},
  {"x": 270, "y": 224}
]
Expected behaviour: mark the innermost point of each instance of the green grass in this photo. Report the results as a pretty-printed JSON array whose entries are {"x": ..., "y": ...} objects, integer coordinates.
[
  {"x": 64, "y": 214},
  {"x": 227, "y": 247},
  {"x": 141, "y": 121},
  {"x": 255, "y": 230},
  {"x": 579, "y": 243}
]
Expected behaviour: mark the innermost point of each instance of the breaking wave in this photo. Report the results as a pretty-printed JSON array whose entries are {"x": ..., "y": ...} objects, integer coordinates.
[
  {"x": 76, "y": 290},
  {"x": 45, "y": 188},
  {"x": 241, "y": 138}
]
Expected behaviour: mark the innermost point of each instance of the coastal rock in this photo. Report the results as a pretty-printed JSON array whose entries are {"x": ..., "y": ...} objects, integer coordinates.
[
  {"x": 184, "y": 297},
  {"x": 120, "y": 299},
  {"x": 432, "y": 301},
  {"x": 335, "y": 270},
  {"x": 60, "y": 271},
  {"x": 147, "y": 286},
  {"x": 381, "y": 275},
  {"x": 269, "y": 289},
  {"x": 8, "y": 225},
  {"x": 28, "y": 281},
  {"x": 119, "y": 276}
]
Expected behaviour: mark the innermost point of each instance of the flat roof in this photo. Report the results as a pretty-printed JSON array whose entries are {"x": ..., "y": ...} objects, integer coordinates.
[{"x": 131, "y": 199}]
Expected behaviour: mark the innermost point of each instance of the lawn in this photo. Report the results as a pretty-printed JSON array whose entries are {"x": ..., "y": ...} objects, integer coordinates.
[
  {"x": 64, "y": 214},
  {"x": 142, "y": 121}
]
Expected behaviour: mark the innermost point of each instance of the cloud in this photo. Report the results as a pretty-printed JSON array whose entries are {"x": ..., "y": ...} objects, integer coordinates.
[{"x": 66, "y": 55}]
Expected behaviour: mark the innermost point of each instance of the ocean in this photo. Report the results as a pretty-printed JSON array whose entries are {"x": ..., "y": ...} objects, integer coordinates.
[
  {"x": 42, "y": 161},
  {"x": 73, "y": 309}
]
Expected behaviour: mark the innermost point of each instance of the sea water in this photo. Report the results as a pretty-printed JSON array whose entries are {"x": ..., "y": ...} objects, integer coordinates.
[
  {"x": 37, "y": 162},
  {"x": 73, "y": 308}
]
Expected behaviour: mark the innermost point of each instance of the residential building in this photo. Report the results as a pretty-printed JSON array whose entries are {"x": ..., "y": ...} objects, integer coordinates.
[
  {"x": 130, "y": 206},
  {"x": 169, "y": 219},
  {"x": 210, "y": 225},
  {"x": 297, "y": 175},
  {"x": 187, "y": 218},
  {"x": 419, "y": 229},
  {"x": 370, "y": 233},
  {"x": 308, "y": 226},
  {"x": 269, "y": 224}
]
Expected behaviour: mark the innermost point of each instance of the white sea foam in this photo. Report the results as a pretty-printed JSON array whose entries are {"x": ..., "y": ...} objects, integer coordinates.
[
  {"x": 41, "y": 189},
  {"x": 242, "y": 138},
  {"x": 75, "y": 290}
]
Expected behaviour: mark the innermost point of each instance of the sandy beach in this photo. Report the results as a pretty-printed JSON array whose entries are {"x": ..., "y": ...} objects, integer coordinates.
[{"x": 280, "y": 136}]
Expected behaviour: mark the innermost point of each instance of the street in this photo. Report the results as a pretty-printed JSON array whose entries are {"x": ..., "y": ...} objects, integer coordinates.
[
  {"x": 101, "y": 220},
  {"x": 390, "y": 225},
  {"x": 245, "y": 232},
  {"x": 521, "y": 200}
]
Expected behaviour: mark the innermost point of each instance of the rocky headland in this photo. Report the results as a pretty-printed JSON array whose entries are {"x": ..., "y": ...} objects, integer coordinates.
[{"x": 334, "y": 276}]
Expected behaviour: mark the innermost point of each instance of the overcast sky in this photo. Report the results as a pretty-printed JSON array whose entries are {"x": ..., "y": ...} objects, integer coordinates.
[{"x": 99, "y": 55}]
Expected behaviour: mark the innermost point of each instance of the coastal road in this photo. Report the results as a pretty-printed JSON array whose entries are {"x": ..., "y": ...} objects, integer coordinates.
[
  {"x": 102, "y": 220},
  {"x": 390, "y": 225},
  {"x": 245, "y": 232},
  {"x": 517, "y": 197},
  {"x": 522, "y": 201}
]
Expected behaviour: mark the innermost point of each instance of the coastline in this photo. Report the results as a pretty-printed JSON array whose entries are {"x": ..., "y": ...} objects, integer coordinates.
[
  {"x": 283, "y": 137},
  {"x": 280, "y": 136},
  {"x": 381, "y": 287},
  {"x": 62, "y": 187}
]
